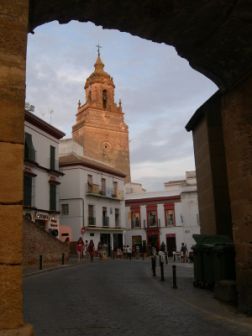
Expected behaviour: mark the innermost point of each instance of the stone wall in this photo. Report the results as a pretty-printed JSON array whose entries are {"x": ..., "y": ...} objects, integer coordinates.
[
  {"x": 13, "y": 37},
  {"x": 214, "y": 207},
  {"x": 39, "y": 242},
  {"x": 237, "y": 129}
]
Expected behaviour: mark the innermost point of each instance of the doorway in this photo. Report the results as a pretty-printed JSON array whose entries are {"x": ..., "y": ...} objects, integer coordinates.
[
  {"x": 117, "y": 241},
  {"x": 105, "y": 240},
  {"x": 171, "y": 244}
]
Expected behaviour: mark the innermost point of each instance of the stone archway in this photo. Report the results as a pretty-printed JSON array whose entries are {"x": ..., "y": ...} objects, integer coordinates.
[{"x": 213, "y": 35}]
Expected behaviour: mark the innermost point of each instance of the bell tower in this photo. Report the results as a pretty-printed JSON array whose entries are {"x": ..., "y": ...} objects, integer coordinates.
[{"x": 100, "y": 126}]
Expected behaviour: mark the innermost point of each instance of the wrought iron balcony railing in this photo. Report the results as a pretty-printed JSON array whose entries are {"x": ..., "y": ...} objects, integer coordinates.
[
  {"x": 96, "y": 190},
  {"x": 91, "y": 221}
]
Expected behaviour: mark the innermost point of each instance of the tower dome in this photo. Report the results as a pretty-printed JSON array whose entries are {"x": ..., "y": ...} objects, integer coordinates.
[{"x": 99, "y": 75}]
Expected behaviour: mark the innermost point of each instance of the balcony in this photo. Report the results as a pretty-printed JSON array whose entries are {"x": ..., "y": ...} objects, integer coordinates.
[
  {"x": 152, "y": 222},
  {"x": 135, "y": 223},
  {"x": 91, "y": 221},
  {"x": 105, "y": 221},
  {"x": 96, "y": 190}
]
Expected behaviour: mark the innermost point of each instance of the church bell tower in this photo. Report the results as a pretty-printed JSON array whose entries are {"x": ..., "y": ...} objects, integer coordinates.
[{"x": 100, "y": 126}]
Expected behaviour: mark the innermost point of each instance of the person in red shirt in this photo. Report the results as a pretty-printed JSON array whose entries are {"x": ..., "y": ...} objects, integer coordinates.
[
  {"x": 91, "y": 250},
  {"x": 80, "y": 248}
]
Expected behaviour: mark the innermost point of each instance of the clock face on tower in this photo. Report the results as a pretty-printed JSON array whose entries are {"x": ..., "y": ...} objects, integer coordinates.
[{"x": 106, "y": 147}]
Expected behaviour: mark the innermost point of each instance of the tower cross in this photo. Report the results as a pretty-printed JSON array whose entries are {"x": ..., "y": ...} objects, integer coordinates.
[{"x": 98, "y": 49}]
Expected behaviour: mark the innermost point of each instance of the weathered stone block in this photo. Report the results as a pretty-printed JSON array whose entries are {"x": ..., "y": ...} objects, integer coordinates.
[
  {"x": 12, "y": 121},
  {"x": 11, "y": 297},
  {"x": 11, "y": 173},
  {"x": 25, "y": 330},
  {"x": 11, "y": 224}
]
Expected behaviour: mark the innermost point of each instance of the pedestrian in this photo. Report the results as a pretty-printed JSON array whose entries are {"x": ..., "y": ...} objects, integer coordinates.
[
  {"x": 91, "y": 250},
  {"x": 99, "y": 250},
  {"x": 183, "y": 252},
  {"x": 153, "y": 260},
  {"x": 80, "y": 248},
  {"x": 124, "y": 251},
  {"x": 85, "y": 252},
  {"x": 129, "y": 252},
  {"x": 161, "y": 255},
  {"x": 163, "y": 248}
]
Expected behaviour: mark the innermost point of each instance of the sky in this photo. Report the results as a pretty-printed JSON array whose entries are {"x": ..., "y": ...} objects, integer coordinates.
[{"x": 159, "y": 92}]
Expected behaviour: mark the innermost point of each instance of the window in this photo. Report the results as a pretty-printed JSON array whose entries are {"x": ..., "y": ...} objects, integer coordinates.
[
  {"x": 104, "y": 98},
  {"x": 135, "y": 218},
  {"x": 90, "y": 183},
  {"x": 29, "y": 148},
  {"x": 91, "y": 217},
  {"x": 27, "y": 190},
  {"x": 117, "y": 217},
  {"x": 115, "y": 189},
  {"x": 53, "y": 196},
  {"x": 105, "y": 218},
  {"x": 152, "y": 218},
  {"x": 52, "y": 157},
  {"x": 103, "y": 186},
  {"x": 65, "y": 209},
  {"x": 169, "y": 217},
  {"x": 90, "y": 179}
]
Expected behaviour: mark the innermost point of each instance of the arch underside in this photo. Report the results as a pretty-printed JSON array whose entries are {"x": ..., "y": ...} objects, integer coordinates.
[{"x": 214, "y": 36}]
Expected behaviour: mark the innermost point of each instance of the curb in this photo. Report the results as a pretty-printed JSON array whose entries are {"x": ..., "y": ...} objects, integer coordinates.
[{"x": 50, "y": 269}]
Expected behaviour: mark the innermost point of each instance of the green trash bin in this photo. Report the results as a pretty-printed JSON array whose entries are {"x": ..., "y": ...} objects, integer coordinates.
[
  {"x": 198, "y": 265},
  {"x": 224, "y": 262},
  {"x": 208, "y": 265},
  {"x": 212, "y": 259}
]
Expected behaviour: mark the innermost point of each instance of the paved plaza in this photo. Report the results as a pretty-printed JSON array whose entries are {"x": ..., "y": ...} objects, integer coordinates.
[{"x": 120, "y": 297}]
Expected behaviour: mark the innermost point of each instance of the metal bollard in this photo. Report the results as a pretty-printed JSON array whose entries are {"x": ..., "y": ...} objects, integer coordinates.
[
  {"x": 174, "y": 277},
  {"x": 63, "y": 259},
  {"x": 40, "y": 262},
  {"x": 153, "y": 265},
  {"x": 162, "y": 271}
]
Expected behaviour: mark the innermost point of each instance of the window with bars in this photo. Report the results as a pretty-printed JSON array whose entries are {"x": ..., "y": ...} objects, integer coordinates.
[
  {"x": 115, "y": 189},
  {"x": 103, "y": 186},
  {"x": 91, "y": 217},
  {"x": 53, "y": 189},
  {"x": 152, "y": 218},
  {"x": 117, "y": 217},
  {"x": 135, "y": 219},
  {"x": 169, "y": 217},
  {"x": 65, "y": 209}
]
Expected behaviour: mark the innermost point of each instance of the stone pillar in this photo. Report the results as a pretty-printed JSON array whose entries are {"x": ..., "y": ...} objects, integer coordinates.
[
  {"x": 213, "y": 196},
  {"x": 237, "y": 129},
  {"x": 13, "y": 39}
]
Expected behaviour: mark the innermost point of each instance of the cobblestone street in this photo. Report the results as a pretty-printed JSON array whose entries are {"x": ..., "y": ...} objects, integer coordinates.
[{"x": 120, "y": 297}]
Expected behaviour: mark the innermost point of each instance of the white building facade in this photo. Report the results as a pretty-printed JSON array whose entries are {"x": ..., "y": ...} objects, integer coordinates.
[
  {"x": 91, "y": 198},
  {"x": 41, "y": 173},
  {"x": 169, "y": 216}
]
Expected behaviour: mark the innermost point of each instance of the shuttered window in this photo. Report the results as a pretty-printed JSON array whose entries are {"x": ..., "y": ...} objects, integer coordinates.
[
  {"x": 27, "y": 190},
  {"x": 52, "y": 157},
  {"x": 29, "y": 148}
]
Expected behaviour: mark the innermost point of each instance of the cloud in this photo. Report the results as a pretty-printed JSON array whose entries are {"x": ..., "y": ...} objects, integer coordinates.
[{"x": 159, "y": 90}]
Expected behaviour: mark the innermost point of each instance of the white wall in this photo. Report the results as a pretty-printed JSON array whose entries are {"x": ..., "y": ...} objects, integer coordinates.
[
  {"x": 74, "y": 185},
  {"x": 41, "y": 187},
  {"x": 42, "y": 142},
  {"x": 186, "y": 215}
]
